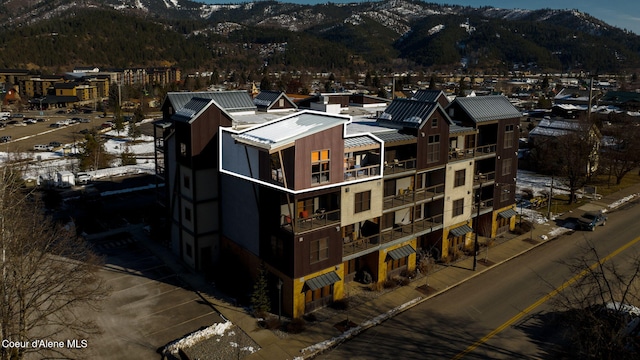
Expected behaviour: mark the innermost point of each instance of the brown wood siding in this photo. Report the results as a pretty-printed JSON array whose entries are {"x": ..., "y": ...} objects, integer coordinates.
[
  {"x": 205, "y": 128},
  {"x": 330, "y": 139},
  {"x": 443, "y": 131},
  {"x": 503, "y": 154},
  {"x": 302, "y": 251},
  {"x": 343, "y": 100}
]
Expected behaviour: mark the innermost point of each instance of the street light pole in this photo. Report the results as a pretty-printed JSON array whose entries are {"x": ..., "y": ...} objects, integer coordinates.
[
  {"x": 475, "y": 243},
  {"x": 279, "y": 299}
]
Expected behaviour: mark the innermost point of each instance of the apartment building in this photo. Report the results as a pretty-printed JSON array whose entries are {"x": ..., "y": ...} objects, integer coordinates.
[{"x": 321, "y": 198}]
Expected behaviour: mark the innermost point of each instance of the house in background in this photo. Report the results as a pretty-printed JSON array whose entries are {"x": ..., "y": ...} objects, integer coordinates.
[{"x": 274, "y": 101}]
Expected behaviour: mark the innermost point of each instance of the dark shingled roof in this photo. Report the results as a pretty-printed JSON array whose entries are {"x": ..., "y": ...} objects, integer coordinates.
[
  {"x": 487, "y": 108},
  {"x": 191, "y": 109},
  {"x": 407, "y": 113},
  {"x": 229, "y": 101}
]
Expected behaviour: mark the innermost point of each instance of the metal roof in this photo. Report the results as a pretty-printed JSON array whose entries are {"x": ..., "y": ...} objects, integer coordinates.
[
  {"x": 457, "y": 129},
  {"x": 548, "y": 127},
  {"x": 427, "y": 95},
  {"x": 266, "y": 98},
  {"x": 461, "y": 230},
  {"x": 191, "y": 109},
  {"x": 287, "y": 130},
  {"x": 507, "y": 213},
  {"x": 487, "y": 108},
  {"x": 229, "y": 101},
  {"x": 359, "y": 141},
  {"x": 395, "y": 136},
  {"x": 407, "y": 113},
  {"x": 401, "y": 252},
  {"x": 323, "y": 280}
]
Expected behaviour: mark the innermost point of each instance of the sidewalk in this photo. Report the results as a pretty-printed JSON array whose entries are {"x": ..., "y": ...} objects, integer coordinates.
[{"x": 321, "y": 335}]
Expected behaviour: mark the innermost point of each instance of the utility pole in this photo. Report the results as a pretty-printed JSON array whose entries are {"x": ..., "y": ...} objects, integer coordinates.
[
  {"x": 550, "y": 198},
  {"x": 475, "y": 243}
]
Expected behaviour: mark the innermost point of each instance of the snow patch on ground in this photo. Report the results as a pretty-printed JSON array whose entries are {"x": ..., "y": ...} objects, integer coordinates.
[{"x": 195, "y": 337}]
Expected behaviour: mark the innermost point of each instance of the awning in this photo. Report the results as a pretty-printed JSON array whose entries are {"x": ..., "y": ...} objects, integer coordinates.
[
  {"x": 460, "y": 230},
  {"x": 401, "y": 252},
  {"x": 507, "y": 213},
  {"x": 321, "y": 281}
]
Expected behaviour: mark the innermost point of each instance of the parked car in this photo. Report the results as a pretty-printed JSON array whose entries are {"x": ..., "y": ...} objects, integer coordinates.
[
  {"x": 55, "y": 144},
  {"x": 5, "y": 138},
  {"x": 55, "y": 125},
  {"x": 41, "y": 147},
  {"x": 30, "y": 121},
  {"x": 591, "y": 219}
]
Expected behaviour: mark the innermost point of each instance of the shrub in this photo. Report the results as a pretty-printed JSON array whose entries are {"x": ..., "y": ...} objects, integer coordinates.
[
  {"x": 310, "y": 317},
  {"x": 271, "y": 323},
  {"x": 390, "y": 283}
]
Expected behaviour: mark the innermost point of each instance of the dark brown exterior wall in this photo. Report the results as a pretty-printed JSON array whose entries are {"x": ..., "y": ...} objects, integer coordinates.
[
  {"x": 504, "y": 154},
  {"x": 329, "y": 139},
  {"x": 443, "y": 131},
  {"x": 302, "y": 249}
]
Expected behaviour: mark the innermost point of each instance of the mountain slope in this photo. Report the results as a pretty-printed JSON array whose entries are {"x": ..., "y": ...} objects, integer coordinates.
[{"x": 361, "y": 35}]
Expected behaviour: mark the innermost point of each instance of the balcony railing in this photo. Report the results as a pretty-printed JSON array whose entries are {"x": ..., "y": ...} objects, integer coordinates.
[
  {"x": 355, "y": 246},
  {"x": 486, "y": 177},
  {"x": 361, "y": 172},
  {"x": 461, "y": 154},
  {"x": 403, "y": 230},
  {"x": 408, "y": 196},
  {"x": 484, "y": 205},
  {"x": 320, "y": 218},
  {"x": 398, "y": 166},
  {"x": 486, "y": 149}
]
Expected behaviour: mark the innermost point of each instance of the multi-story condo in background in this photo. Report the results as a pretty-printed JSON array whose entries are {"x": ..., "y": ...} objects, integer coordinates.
[{"x": 321, "y": 198}]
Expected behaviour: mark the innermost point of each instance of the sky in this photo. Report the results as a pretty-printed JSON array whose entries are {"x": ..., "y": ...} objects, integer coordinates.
[{"x": 624, "y": 14}]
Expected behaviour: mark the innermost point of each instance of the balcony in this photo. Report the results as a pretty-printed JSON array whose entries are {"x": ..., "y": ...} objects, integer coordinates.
[
  {"x": 485, "y": 207},
  {"x": 461, "y": 154},
  {"x": 487, "y": 178},
  {"x": 485, "y": 150},
  {"x": 358, "y": 172},
  {"x": 404, "y": 230},
  {"x": 408, "y": 196},
  {"x": 351, "y": 247},
  {"x": 307, "y": 222},
  {"x": 398, "y": 166}
]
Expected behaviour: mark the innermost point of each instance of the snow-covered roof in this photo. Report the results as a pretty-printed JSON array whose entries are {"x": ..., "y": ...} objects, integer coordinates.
[{"x": 287, "y": 130}]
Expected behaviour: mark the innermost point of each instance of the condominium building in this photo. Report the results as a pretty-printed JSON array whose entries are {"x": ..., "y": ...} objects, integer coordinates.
[{"x": 321, "y": 198}]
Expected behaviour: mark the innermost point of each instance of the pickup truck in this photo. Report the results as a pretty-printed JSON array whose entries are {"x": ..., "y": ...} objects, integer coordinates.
[{"x": 591, "y": 219}]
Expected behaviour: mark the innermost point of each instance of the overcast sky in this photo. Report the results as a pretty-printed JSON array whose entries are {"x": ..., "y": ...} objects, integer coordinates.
[{"x": 624, "y": 14}]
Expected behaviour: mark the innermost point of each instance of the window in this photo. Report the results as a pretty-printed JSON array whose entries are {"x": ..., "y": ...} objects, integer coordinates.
[
  {"x": 187, "y": 214},
  {"x": 363, "y": 201},
  {"x": 433, "y": 149},
  {"x": 319, "y": 250},
  {"x": 506, "y": 166},
  {"x": 504, "y": 195},
  {"x": 396, "y": 264},
  {"x": 417, "y": 212},
  {"x": 459, "y": 177},
  {"x": 434, "y": 123},
  {"x": 458, "y": 207},
  {"x": 186, "y": 181},
  {"x": 183, "y": 149},
  {"x": 320, "y": 166},
  {"x": 508, "y": 136}
]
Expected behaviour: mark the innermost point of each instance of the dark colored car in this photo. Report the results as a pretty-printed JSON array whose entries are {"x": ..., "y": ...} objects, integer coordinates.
[
  {"x": 5, "y": 138},
  {"x": 591, "y": 219}
]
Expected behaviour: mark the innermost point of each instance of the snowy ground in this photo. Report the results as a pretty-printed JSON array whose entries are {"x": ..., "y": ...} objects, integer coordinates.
[{"x": 45, "y": 164}]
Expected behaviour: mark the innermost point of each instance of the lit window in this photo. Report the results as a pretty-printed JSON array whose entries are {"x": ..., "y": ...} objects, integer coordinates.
[{"x": 320, "y": 167}]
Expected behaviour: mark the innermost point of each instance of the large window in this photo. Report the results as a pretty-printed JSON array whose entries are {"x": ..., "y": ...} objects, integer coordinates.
[
  {"x": 363, "y": 201},
  {"x": 459, "y": 178},
  {"x": 320, "y": 166},
  {"x": 506, "y": 166},
  {"x": 433, "y": 149},
  {"x": 458, "y": 207},
  {"x": 319, "y": 250},
  {"x": 508, "y": 136}
]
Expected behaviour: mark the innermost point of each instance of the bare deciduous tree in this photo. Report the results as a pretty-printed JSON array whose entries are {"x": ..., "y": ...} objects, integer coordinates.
[
  {"x": 622, "y": 152},
  {"x": 595, "y": 329},
  {"x": 47, "y": 276}
]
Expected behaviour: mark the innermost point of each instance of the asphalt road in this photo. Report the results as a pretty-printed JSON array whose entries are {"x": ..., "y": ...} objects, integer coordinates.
[{"x": 505, "y": 313}]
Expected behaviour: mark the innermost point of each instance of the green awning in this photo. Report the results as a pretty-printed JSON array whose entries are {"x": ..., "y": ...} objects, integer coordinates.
[
  {"x": 460, "y": 230},
  {"x": 321, "y": 281},
  {"x": 507, "y": 213},
  {"x": 401, "y": 252}
]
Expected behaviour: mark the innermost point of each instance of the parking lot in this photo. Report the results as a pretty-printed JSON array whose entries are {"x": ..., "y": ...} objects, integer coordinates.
[{"x": 149, "y": 306}]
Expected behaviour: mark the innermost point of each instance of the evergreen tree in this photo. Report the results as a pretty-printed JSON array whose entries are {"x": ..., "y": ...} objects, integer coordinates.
[
  {"x": 134, "y": 131},
  {"x": 260, "y": 298}
]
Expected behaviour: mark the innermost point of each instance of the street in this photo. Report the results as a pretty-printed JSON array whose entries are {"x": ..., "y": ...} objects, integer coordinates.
[{"x": 505, "y": 313}]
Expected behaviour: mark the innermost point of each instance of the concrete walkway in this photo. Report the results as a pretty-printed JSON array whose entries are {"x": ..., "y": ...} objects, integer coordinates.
[{"x": 321, "y": 335}]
